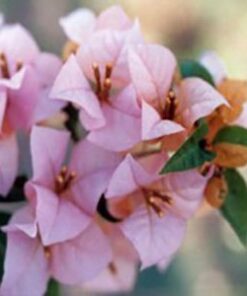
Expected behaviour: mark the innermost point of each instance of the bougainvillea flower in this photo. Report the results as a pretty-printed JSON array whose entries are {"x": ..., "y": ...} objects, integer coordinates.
[
  {"x": 158, "y": 207},
  {"x": 82, "y": 23},
  {"x": 64, "y": 194},
  {"x": 122, "y": 129},
  {"x": 121, "y": 273},
  {"x": 102, "y": 40},
  {"x": 95, "y": 78},
  {"x": 235, "y": 92},
  {"x": 198, "y": 99},
  {"x": 104, "y": 115},
  {"x": 166, "y": 108},
  {"x": 26, "y": 74},
  {"x": 29, "y": 265}
]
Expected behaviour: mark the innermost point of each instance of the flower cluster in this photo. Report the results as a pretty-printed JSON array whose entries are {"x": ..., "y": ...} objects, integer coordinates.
[{"x": 150, "y": 148}]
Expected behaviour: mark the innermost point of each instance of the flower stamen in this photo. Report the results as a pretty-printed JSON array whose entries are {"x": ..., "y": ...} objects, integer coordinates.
[
  {"x": 63, "y": 180},
  {"x": 157, "y": 201},
  {"x": 97, "y": 78},
  {"x": 4, "y": 66},
  {"x": 103, "y": 87},
  {"x": 171, "y": 104}
]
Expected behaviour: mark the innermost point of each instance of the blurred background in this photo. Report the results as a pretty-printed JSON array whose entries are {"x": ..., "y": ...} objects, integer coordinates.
[{"x": 212, "y": 261}]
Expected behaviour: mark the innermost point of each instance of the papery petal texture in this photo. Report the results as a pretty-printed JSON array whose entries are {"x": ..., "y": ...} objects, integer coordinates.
[
  {"x": 26, "y": 267},
  {"x": 27, "y": 50},
  {"x": 48, "y": 150},
  {"x": 93, "y": 165},
  {"x": 78, "y": 25},
  {"x": 154, "y": 238},
  {"x": 58, "y": 218},
  {"x": 154, "y": 127},
  {"x": 198, "y": 99},
  {"x": 151, "y": 69},
  {"x": 71, "y": 85},
  {"x": 187, "y": 191},
  {"x": 128, "y": 177},
  {"x": 121, "y": 131},
  {"x": 82, "y": 258}
]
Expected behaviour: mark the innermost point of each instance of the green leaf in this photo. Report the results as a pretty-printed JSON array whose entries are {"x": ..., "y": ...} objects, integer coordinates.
[
  {"x": 191, "y": 68},
  {"x": 53, "y": 288},
  {"x": 233, "y": 135},
  {"x": 191, "y": 154},
  {"x": 234, "y": 208}
]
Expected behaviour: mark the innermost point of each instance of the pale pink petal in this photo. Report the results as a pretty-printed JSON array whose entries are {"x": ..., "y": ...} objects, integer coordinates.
[
  {"x": 48, "y": 148},
  {"x": 25, "y": 267},
  {"x": 153, "y": 163},
  {"x": 242, "y": 119},
  {"x": 187, "y": 191},
  {"x": 154, "y": 127},
  {"x": 78, "y": 25},
  {"x": 121, "y": 75},
  {"x": 109, "y": 282},
  {"x": 46, "y": 108},
  {"x": 151, "y": 69},
  {"x": 90, "y": 122},
  {"x": 214, "y": 65},
  {"x": 8, "y": 162},
  {"x": 154, "y": 238},
  {"x": 198, "y": 99},
  {"x": 3, "y": 106},
  {"x": 18, "y": 44},
  {"x": 82, "y": 258},
  {"x": 128, "y": 177},
  {"x": 22, "y": 101},
  {"x": 109, "y": 46},
  {"x": 16, "y": 80},
  {"x": 121, "y": 275},
  {"x": 72, "y": 86},
  {"x": 126, "y": 101},
  {"x": 47, "y": 66},
  {"x": 113, "y": 18},
  {"x": 24, "y": 221},
  {"x": 121, "y": 131},
  {"x": 92, "y": 165},
  {"x": 58, "y": 218},
  {"x": 102, "y": 48}
]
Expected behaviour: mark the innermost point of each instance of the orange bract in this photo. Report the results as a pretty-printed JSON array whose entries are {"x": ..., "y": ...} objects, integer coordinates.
[
  {"x": 70, "y": 47},
  {"x": 216, "y": 191},
  {"x": 230, "y": 155},
  {"x": 235, "y": 91}
]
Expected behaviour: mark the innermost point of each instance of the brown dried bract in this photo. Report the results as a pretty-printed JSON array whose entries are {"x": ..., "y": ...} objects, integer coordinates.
[
  {"x": 70, "y": 47},
  {"x": 216, "y": 191},
  {"x": 235, "y": 91},
  {"x": 230, "y": 155},
  {"x": 215, "y": 123}
]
